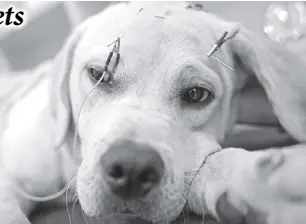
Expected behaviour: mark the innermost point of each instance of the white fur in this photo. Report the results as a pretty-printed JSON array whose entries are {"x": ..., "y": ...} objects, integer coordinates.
[{"x": 159, "y": 59}]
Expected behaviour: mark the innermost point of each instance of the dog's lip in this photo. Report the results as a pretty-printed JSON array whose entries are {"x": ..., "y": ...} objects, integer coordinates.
[{"x": 119, "y": 218}]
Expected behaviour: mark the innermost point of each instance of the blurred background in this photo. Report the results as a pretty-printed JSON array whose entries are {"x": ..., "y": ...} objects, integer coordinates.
[{"x": 49, "y": 23}]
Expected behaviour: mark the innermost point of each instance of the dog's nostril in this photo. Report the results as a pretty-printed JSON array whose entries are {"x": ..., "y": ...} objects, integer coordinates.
[
  {"x": 132, "y": 169},
  {"x": 148, "y": 176},
  {"x": 116, "y": 172}
]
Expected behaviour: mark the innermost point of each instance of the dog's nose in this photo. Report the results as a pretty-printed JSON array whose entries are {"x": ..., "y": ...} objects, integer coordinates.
[{"x": 131, "y": 169}]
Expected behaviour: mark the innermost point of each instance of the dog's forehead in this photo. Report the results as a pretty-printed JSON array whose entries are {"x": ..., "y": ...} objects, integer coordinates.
[
  {"x": 150, "y": 27},
  {"x": 155, "y": 43}
]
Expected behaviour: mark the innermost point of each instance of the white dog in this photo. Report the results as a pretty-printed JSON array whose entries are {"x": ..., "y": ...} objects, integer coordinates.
[{"x": 141, "y": 138}]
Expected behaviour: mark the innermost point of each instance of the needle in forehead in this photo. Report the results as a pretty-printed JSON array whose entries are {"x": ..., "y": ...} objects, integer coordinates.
[
  {"x": 216, "y": 47},
  {"x": 218, "y": 44},
  {"x": 115, "y": 50},
  {"x": 116, "y": 47}
]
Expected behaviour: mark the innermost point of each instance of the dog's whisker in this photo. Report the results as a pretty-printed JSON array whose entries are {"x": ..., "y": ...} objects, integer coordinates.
[
  {"x": 84, "y": 216},
  {"x": 66, "y": 199},
  {"x": 182, "y": 200},
  {"x": 200, "y": 202},
  {"x": 184, "y": 217},
  {"x": 73, "y": 206},
  {"x": 185, "y": 214},
  {"x": 75, "y": 195}
]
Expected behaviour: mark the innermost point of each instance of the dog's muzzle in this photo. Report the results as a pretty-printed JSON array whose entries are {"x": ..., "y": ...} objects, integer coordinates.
[
  {"x": 131, "y": 169},
  {"x": 133, "y": 164}
]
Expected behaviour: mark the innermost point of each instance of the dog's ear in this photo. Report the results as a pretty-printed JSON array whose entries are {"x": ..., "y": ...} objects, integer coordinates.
[
  {"x": 59, "y": 74},
  {"x": 281, "y": 73}
]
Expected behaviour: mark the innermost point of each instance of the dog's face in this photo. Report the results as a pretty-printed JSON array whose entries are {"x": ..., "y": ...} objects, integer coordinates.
[
  {"x": 144, "y": 136},
  {"x": 164, "y": 104}
]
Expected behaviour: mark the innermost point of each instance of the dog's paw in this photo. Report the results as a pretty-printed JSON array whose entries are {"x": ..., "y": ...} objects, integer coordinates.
[
  {"x": 271, "y": 190},
  {"x": 228, "y": 213}
]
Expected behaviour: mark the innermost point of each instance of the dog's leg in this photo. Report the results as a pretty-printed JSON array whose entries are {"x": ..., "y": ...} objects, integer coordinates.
[
  {"x": 214, "y": 177},
  {"x": 13, "y": 209},
  {"x": 237, "y": 186}
]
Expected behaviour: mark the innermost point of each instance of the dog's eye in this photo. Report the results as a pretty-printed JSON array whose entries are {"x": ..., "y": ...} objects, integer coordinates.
[
  {"x": 96, "y": 73},
  {"x": 197, "y": 95}
]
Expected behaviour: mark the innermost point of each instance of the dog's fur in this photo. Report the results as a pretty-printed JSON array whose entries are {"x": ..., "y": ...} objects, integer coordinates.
[{"x": 160, "y": 58}]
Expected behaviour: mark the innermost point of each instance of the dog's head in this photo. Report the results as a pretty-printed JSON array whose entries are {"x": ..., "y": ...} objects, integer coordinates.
[{"x": 143, "y": 137}]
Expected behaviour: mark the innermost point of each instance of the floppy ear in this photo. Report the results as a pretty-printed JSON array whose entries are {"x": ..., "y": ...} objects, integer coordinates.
[
  {"x": 281, "y": 73},
  {"x": 61, "y": 66}
]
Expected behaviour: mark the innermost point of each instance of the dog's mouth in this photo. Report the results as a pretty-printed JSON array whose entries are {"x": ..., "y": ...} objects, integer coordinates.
[
  {"x": 126, "y": 216},
  {"x": 122, "y": 218}
]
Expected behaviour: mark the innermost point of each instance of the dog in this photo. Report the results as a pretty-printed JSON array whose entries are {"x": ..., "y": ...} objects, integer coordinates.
[{"x": 142, "y": 139}]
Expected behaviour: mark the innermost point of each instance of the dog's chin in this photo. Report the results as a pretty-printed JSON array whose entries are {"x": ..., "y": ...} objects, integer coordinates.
[
  {"x": 134, "y": 213},
  {"x": 124, "y": 218},
  {"x": 162, "y": 205}
]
